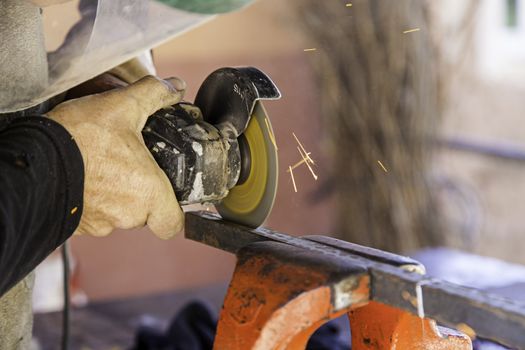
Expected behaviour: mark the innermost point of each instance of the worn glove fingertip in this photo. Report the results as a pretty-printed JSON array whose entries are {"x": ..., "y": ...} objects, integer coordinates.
[
  {"x": 166, "y": 222},
  {"x": 176, "y": 83},
  {"x": 94, "y": 228},
  {"x": 166, "y": 231},
  {"x": 166, "y": 218}
]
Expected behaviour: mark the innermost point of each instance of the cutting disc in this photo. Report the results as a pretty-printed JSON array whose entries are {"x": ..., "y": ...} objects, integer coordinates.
[{"x": 250, "y": 202}]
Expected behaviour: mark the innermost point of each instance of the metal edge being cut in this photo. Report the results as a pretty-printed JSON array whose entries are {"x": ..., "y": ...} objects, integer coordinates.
[{"x": 256, "y": 217}]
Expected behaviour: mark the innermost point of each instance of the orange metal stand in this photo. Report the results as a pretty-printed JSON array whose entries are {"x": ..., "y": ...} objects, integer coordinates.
[
  {"x": 280, "y": 294},
  {"x": 379, "y": 326}
]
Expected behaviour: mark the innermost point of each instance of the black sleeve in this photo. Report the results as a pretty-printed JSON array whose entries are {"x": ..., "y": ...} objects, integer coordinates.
[{"x": 41, "y": 192}]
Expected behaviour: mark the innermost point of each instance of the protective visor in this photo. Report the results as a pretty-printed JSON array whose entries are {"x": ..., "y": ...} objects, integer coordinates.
[{"x": 86, "y": 38}]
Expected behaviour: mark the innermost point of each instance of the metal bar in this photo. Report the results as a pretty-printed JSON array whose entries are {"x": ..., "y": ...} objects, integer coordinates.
[
  {"x": 373, "y": 254},
  {"x": 490, "y": 316},
  {"x": 210, "y": 229}
]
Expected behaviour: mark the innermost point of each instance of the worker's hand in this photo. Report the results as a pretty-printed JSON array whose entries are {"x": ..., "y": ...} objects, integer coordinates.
[{"x": 124, "y": 187}]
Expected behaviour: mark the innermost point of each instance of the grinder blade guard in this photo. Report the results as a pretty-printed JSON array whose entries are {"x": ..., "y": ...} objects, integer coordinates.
[{"x": 221, "y": 150}]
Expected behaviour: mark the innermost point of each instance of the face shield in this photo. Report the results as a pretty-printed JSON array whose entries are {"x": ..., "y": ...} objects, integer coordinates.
[{"x": 85, "y": 38}]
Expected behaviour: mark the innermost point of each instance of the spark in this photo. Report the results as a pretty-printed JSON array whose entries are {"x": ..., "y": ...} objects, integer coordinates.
[
  {"x": 307, "y": 159},
  {"x": 411, "y": 30},
  {"x": 299, "y": 162},
  {"x": 293, "y": 179},
  {"x": 382, "y": 166},
  {"x": 304, "y": 150},
  {"x": 270, "y": 132},
  {"x": 349, "y": 5},
  {"x": 305, "y": 155},
  {"x": 312, "y": 49}
]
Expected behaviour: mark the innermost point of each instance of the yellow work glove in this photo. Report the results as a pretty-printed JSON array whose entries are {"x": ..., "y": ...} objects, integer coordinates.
[{"x": 123, "y": 187}]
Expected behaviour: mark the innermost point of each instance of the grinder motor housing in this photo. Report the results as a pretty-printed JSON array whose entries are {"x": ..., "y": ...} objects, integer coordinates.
[{"x": 200, "y": 146}]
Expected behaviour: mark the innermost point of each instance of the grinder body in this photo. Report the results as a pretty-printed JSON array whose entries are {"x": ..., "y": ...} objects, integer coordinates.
[
  {"x": 201, "y": 160},
  {"x": 202, "y": 147}
]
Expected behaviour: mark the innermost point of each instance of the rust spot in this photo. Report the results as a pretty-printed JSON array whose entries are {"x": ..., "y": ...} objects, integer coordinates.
[
  {"x": 267, "y": 269},
  {"x": 246, "y": 305}
]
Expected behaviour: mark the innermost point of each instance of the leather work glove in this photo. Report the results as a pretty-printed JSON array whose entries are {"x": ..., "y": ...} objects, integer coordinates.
[{"x": 124, "y": 187}]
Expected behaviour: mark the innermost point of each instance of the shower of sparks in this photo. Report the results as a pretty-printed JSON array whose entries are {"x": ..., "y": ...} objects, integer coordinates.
[
  {"x": 382, "y": 166},
  {"x": 293, "y": 179},
  {"x": 307, "y": 161},
  {"x": 411, "y": 30},
  {"x": 304, "y": 150},
  {"x": 349, "y": 5},
  {"x": 308, "y": 50},
  {"x": 270, "y": 132}
]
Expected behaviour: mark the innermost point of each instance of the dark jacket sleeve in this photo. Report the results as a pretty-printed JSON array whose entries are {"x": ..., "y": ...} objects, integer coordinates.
[{"x": 41, "y": 192}]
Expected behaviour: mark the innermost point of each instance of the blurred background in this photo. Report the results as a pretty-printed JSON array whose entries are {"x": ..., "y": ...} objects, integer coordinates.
[
  {"x": 433, "y": 91},
  {"x": 264, "y": 35}
]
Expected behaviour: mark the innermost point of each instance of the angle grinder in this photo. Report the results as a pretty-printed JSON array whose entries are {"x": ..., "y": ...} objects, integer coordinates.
[{"x": 221, "y": 149}]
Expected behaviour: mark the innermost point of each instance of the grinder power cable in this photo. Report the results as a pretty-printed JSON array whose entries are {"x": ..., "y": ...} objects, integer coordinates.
[{"x": 221, "y": 149}]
